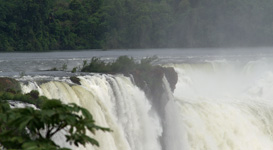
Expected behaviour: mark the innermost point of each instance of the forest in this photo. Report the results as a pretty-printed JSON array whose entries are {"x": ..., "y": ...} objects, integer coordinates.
[{"x": 43, "y": 25}]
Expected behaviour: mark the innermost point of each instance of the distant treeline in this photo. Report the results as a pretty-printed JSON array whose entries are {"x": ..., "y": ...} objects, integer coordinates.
[{"x": 40, "y": 25}]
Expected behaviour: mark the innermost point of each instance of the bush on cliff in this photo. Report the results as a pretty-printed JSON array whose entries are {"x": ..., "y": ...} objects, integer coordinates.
[
  {"x": 146, "y": 76},
  {"x": 122, "y": 65}
]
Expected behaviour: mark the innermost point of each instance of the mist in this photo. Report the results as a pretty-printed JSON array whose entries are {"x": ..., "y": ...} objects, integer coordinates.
[
  {"x": 233, "y": 23},
  {"x": 193, "y": 23}
]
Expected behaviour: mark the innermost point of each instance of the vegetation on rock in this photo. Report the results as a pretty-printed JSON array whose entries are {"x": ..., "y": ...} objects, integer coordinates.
[
  {"x": 146, "y": 76},
  {"x": 123, "y": 64},
  {"x": 9, "y": 84}
]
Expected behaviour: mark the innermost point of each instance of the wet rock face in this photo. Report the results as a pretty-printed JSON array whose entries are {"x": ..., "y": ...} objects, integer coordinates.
[
  {"x": 151, "y": 81},
  {"x": 171, "y": 76},
  {"x": 9, "y": 84}
]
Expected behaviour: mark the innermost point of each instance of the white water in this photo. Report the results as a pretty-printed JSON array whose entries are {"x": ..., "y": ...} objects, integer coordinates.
[
  {"x": 114, "y": 102},
  {"x": 226, "y": 105},
  {"x": 217, "y": 105}
]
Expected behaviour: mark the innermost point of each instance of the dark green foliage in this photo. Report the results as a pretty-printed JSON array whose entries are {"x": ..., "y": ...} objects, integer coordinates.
[
  {"x": 122, "y": 64},
  {"x": 29, "y": 128},
  {"x": 30, "y": 98},
  {"x": 34, "y": 94},
  {"x": 40, "y": 25},
  {"x": 74, "y": 70},
  {"x": 7, "y": 96},
  {"x": 96, "y": 65}
]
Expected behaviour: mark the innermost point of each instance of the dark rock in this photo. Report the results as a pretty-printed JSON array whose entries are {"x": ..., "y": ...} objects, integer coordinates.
[
  {"x": 171, "y": 76},
  {"x": 9, "y": 84},
  {"x": 151, "y": 80},
  {"x": 75, "y": 79}
]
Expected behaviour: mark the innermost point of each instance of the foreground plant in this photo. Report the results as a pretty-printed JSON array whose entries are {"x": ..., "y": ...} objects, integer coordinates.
[{"x": 33, "y": 129}]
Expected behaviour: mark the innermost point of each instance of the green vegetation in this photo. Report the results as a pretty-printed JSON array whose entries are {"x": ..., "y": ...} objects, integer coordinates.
[
  {"x": 40, "y": 25},
  {"x": 74, "y": 70},
  {"x": 122, "y": 64},
  {"x": 32, "y": 129},
  {"x": 30, "y": 98}
]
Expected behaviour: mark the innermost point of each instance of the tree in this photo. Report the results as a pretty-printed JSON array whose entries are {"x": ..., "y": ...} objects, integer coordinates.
[{"x": 32, "y": 129}]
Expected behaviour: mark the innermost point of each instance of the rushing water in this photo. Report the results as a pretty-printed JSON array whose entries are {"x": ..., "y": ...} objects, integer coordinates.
[{"x": 223, "y": 99}]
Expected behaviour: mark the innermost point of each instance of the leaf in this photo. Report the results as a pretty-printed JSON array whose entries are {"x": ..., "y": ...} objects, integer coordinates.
[
  {"x": 51, "y": 104},
  {"x": 48, "y": 113},
  {"x": 24, "y": 122},
  {"x": 30, "y": 146},
  {"x": 86, "y": 114}
]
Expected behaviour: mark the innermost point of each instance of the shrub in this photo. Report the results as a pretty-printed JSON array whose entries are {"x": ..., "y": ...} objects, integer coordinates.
[
  {"x": 96, "y": 65},
  {"x": 74, "y": 70},
  {"x": 29, "y": 128},
  {"x": 123, "y": 64},
  {"x": 64, "y": 67},
  {"x": 34, "y": 94},
  {"x": 8, "y": 96},
  {"x": 30, "y": 98}
]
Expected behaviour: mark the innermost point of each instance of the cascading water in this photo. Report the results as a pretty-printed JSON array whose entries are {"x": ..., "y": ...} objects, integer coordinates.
[
  {"x": 173, "y": 135},
  {"x": 217, "y": 105},
  {"x": 226, "y": 105},
  {"x": 115, "y": 103}
]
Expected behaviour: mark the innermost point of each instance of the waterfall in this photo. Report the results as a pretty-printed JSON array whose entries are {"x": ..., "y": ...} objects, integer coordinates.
[
  {"x": 174, "y": 136},
  {"x": 114, "y": 102},
  {"x": 226, "y": 105},
  {"x": 217, "y": 105}
]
